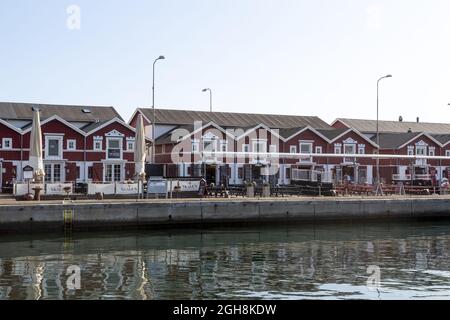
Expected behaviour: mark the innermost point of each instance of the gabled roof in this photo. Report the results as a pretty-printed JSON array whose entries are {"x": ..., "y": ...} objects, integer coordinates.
[
  {"x": 24, "y": 111},
  {"x": 400, "y": 140},
  {"x": 444, "y": 139},
  {"x": 395, "y": 140},
  {"x": 332, "y": 134},
  {"x": 369, "y": 126},
  {"x": 232, "y": 119}
]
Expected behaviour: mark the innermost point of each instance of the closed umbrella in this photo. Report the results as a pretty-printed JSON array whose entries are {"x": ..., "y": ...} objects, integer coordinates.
[
  {"x": 139, "y": 151},
  {"x": 36, "y": 159}
]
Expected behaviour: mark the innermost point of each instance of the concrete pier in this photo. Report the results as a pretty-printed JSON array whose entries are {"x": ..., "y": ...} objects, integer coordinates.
[{"x": 54, "y": 215}]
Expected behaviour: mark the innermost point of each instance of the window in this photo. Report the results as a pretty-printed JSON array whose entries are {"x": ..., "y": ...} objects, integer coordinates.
[
  {"x": 114, "y": 146},
  {"x": 273, "y": 148},
  {"x": 241, "y": 173},
  {"x": 71, "y": 144},
  {"x": 113, "y": 173},
  {"x": 447, "y": 153},
  {"x": 318, "y": 150},
  {"x": 195, "y": 146},
  {"x": 431, "y": 152},
  {"x": 7, "y": 143},
  {"x": 130, "y": 145},
  {"x": 361, "y": 150},
  {"x": 245, "y": 148},
  {"x": 349, "y": 148},
  {"x": 260, "y": 146},
  {"x": 337, "y": 149},
  {"x": 98, "y": 145},
  {"x": 293, "y": 149},
  {"x": 223, "y": 146},
  {"x": 52, "y": 172},
  {"x": 421, "y": 150},
  {"x": 410, "y": 151},
  {"x": 53, "y": 147},
  {"x": 305, "y": 147},
  {"x": 209, "y": 145},
  {"x": 90, "y": 172}
]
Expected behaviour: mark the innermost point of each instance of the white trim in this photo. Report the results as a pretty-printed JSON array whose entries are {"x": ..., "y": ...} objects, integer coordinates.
[
  {"x": 261, "y": 125},
  {"x": 318, "y": 148},
  {"x": 55, "y": 117},
  {"x": 418, "y": 135},
  {"x": 7, "y": 124},
  {"x": 110, "y": 122},
  {"x": 143, "y": 116},
  {"x": 358, "y": 133},
  {"x": 132, "y": 144}
]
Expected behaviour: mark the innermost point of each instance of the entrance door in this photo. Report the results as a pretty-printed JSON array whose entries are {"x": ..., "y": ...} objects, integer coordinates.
[
  {"x": 113, "y": 173},
  {"x": 210, "y": 174},
  {"x": 53, "y": 172}
]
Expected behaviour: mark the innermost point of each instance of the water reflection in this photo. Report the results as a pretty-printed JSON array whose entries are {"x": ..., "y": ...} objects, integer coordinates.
[{"x": 295, "y": 262}]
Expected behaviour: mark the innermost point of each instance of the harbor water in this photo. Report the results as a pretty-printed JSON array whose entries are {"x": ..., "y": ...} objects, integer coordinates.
[{"x": 326, "y": 261}]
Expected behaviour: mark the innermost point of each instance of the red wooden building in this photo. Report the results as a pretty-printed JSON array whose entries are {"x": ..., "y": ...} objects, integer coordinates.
[{"x": 80, "y": 143}]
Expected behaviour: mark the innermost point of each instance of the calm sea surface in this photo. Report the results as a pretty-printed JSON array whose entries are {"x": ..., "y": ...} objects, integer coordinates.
[{"x": 280, "y": 262}]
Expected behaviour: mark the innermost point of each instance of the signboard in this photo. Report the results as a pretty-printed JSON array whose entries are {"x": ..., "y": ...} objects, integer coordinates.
[
  {"x": 127, "y": 188},
  {"x": 28, "y": 172},
  {"x": 157, "y": 186},
  {"x": 108, "y": 188},
  {"x": 57, "y": 188},
  {"x": 186, "y": 186}
]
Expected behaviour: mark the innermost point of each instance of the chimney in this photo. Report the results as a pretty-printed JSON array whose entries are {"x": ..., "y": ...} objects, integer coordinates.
[
  {"x": 417, "y": 119},
  {"x": 400, "y": 119},
  {"x": 409, "y": 130}
]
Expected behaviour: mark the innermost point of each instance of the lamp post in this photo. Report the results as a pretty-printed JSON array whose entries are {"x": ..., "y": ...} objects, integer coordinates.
[
  {"x": 378, "y": 133},
  {"x": 210, "y": 97},
  {"x": 153, "y": 109}
]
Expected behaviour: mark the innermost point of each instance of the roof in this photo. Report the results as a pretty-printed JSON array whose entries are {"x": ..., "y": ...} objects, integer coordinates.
[
  {"x": 233, "y": 119},
  {"x": 442, "y": 138},
  {"x": 24, "y": 111},
  {"x": 369, "y": 126},
  {"x": 395, "y": 140},
  {"x": 331, "y": 134}
]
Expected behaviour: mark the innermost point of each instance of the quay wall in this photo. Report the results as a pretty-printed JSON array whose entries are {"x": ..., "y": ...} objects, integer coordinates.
[{"x": 172, "y": 213}]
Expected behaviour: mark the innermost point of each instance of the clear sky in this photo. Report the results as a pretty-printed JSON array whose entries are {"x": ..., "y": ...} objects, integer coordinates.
[{"x": 303, "y": 57}]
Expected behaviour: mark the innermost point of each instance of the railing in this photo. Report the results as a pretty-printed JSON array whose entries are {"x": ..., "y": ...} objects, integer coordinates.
[
  {"x": 310, "y": 175},
  {"x": 422, "y": 177}
]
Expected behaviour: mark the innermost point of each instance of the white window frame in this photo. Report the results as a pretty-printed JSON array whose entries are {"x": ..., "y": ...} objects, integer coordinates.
[
  {"x": 100, "y": 141},
  {"x": 132, "y": 145},
  {"x": 318, "y": 149},
  {"x": 338, "y": 149},
  {"x": 410, "y": 151},
  {"x": 246, "y": 148},
  {"x": 260, "y": 142},
  {"x": 4, "y": 140},
  {"x": 361, "y": 149},
  {"x": 223, "y": 143},
  {"x": 292, "y": 149},
  {"x": 447, "y": 153},
  {"x": 273, "y": 148},
  {"x": 108, "y": 139},
  {"x": 195, "y": 146},
  {"x": 74, "y": 144},
  {"x": 60, "y": 145},
  {"x": 309, "y": 144},
  {"x": 431, "y": 151}
]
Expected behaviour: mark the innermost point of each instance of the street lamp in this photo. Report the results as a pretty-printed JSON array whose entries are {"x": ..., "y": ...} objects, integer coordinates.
[
  {"x": 378, "y": 133},
  {"x": 210, "y": 97},
  {"x": 153, "y": 109}
]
